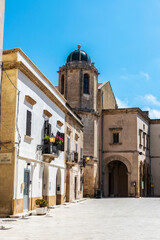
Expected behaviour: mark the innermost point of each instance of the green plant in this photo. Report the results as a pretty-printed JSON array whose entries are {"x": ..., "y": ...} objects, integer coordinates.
[
  {"x": 41, "y": 202},
  {"x": 59, "y": 139},
  {"x": 46, "y": 137}
]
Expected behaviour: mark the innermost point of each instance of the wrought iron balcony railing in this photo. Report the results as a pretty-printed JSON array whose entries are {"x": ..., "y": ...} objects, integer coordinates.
[
  {"x": 72, "y": 157},
  {"x": 82, "y": 162},
  {"x": 49, "y": 148}
]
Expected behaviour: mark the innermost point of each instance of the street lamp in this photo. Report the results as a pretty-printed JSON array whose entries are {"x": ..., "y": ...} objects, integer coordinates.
[
  {"x": 87, "y": 158},
  {"x": 52, "y": 138}
]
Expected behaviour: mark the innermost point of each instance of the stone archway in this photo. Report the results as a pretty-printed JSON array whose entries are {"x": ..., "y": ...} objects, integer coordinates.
[{"x": 116, "y": 176}]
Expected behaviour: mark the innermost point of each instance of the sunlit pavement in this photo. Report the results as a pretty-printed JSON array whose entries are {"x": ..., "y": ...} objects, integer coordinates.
[{"x": 109, "y": 218}]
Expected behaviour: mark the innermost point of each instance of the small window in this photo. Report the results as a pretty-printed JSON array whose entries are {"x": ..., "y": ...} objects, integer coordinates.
[
  {"x": 115, "y": 137},
  {"x": 28, "y": 123},
  {"x": 86, "y": 83},
  {"x": 62, "y": 84}
]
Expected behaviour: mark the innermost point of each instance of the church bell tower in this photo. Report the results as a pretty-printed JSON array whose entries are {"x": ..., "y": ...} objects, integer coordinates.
[{"x": 78, "y": 82}]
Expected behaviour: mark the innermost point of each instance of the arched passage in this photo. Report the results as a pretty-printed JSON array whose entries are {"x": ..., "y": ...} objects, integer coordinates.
[{"x": 116, "y": 177}]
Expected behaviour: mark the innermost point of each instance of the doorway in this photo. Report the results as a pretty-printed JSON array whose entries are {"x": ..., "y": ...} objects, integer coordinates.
[
  {"x": 26, "y": 190},
  {"x": 75, "y": 187},
  {"x": 58, "y": 187},
  {"x": 118, "y": 179}
]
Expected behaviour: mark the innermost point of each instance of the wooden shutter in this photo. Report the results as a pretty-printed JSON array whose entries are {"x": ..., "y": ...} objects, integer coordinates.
[
  {"x": 45, "y": 128},
  {"x": 49, "y": 129},
  {"x": 28, "y": 123},
  {"x": 62, "y": 136}
]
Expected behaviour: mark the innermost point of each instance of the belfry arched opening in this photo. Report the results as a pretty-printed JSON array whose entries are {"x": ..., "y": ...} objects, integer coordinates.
[{"x": 117, "y": 179}]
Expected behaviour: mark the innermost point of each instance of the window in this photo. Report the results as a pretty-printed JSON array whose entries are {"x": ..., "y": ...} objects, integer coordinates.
[
  {"x": 140, "y": 137},
  {"x": 76, "y": 147},
  {"x": 147, "y": 142},
  {"x": 62, "y": 84},
  {"x": 68, "y": 145},
  {"x": 144, "y": 140},
  {"x": 47, "y": 128},
  {"x": 81, "y": 153},
  {"x": 28, "y": 123},
  {"x": 86, "y": 83},
  {"x": 115, "y": 137}
]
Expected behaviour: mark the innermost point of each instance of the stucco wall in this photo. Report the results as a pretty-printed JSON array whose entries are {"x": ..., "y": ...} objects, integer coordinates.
[
  {"x": 143, "y": 126},
  {"x": 127, "y": 124},
  {"x": 28, "y": 148},
  {"x": 155, "y": 156},
  {"x": 75, "y": 134},
  {"x": 128, "y": 133}
]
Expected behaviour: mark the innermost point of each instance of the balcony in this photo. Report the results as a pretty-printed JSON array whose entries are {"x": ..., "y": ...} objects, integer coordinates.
[
  {"x": 49, "y": 151},
  {"x": 82, "y": 163},
  {"x": 71, "y": 158}
]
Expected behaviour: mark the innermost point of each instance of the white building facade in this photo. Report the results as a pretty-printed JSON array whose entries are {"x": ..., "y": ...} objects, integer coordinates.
[{"x": 33, "y": 128}]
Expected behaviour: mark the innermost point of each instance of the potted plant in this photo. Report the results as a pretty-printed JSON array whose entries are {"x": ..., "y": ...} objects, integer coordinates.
[
  {"x": 46, "y": 139},
  {"x": 42, "y": 209},
  {"x": 59, "y": 142}
]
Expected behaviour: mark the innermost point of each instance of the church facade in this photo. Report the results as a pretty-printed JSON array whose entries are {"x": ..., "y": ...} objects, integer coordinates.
[{"x": 121, "y": 154}]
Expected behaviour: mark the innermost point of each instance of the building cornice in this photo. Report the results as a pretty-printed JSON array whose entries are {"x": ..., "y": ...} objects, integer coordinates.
[
  {"x": 154, "y": 121},
  {"x": 22, "y": 67},
  {"x": 79, "y": 65},
  {"x": 125, "y": 111},
  {"x": 18, "y": 50}
]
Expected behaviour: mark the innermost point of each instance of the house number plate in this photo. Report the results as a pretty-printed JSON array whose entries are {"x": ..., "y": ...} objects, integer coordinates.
[{"x": 5, "y": 158}]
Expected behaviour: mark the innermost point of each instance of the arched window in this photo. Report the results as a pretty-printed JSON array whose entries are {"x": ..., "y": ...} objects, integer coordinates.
[
  {"x": 86, "y": 83},
  {"x": 62, "y": 84}
]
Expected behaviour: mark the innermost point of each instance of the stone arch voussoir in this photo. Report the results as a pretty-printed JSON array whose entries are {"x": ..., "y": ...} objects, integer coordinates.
[{"x": 117, "y": 158}]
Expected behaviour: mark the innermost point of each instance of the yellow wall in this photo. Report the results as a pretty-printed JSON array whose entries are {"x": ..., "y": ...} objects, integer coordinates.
[{"x": 7, "y": 138}]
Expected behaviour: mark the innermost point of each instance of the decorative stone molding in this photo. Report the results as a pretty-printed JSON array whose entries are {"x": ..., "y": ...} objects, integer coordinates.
[
  {"x": 28, "y": 138},
  {"x": 76, "y": 136},
  {"x": 59, "y": 123},
  {"x": 49, "y": 157},
  {"x": 30, "y": 100},
  {"x": 47, "y": 113},
  {"x": 69, "y": 131}
]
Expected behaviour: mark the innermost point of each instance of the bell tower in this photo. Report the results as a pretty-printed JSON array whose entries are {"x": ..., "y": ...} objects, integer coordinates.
[{"x": 78, "y": 82}]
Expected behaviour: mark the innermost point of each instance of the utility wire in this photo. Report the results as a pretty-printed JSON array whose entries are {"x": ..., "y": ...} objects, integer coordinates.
[
  {"x": 18, "y": 93},
  {"x": 9, "y": 78}
]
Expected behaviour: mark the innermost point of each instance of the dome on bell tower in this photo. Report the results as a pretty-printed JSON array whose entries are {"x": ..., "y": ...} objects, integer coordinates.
[{"x": 78, "y": 55}]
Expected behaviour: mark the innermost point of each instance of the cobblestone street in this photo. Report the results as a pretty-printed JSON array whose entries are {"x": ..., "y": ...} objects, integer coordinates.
[{"x": 112, "y": 218}]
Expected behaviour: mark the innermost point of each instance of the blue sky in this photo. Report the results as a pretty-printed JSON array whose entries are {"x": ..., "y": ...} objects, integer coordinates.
[{"x": 122, "y": 37}]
